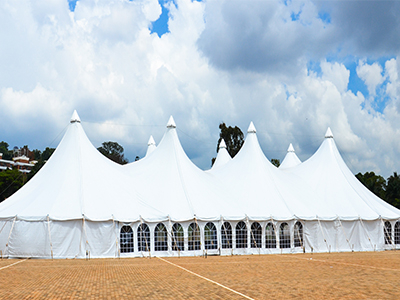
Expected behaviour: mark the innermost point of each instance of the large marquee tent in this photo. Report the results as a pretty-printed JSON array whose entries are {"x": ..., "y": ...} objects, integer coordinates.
[{"x": 82, "y": 204}]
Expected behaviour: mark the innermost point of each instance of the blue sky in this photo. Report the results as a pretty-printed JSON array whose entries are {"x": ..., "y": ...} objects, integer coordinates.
[{"x": 292, "y": 67}]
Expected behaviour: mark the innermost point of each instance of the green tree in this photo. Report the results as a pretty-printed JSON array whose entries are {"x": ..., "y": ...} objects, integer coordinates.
[
  {"x": 10, "y": 182},
  {"x": 276, "y": 162},
  {"x": 47, "y": 153},
  {"x": 7, "y": 155},
  {"x": 393, "y": 190},
  {"x": 113, "y": 151},
  {"x": 233, "y": 137},
  {"x": 375, "y": 183}
]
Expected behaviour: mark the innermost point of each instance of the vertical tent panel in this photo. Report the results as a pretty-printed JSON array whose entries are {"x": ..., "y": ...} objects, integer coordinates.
[
  {"x": 68, "y": 239},
  {"x": 101, "y": 238},
  {"x": 5, "y": 228},
  {"x": 30, "y": 239}
]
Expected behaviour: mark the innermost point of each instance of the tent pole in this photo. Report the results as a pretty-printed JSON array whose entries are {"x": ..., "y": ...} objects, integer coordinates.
[
  {"x": 8, "y": 240},
  {"x": 117, "y": 252},
  {"x": 274, "y": 228},
  {"x": 86, "y": 238},
  {"x": 51, "y": 244}
]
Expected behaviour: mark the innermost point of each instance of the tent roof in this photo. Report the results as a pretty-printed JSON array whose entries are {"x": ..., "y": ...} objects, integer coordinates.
[
  {"x": 259, "y": 190},
  {"x": 151, "y": 146},
  {"x": 336, "y": 189},
  {"x": 171, "y": 182},
  {"x": 290, "y": 160},
  {"x": 78, "y": 181},
  {"x": 223, "y": 155}
]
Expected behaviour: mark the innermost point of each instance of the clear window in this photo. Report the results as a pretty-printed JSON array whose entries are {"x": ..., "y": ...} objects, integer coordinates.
[
  {"x": 270, "y": 237},
  {"x": 143, "y": 237},
  {"x": 160, "y": 238},
  {"x": 226, "y": 235},
  {"x": 298, "y": 234},
  {"x": 241, "y": 235},
  {"x": 256, "y": 235},
  {"x": 178, "y": 241},
  {"x": 284, "y": 236},
  {"x": 388, "y": 233},
  {"x": 397, "y": 233},
  {"x": 194, "y": 237},
  {"x": 126, "y": 239},
  {"x": 210, "y": 236}
]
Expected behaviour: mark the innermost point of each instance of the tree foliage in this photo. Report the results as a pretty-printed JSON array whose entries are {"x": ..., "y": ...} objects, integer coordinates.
[
  {"x": 113, "y": 151},
  {"x": 10, "y": 182},
  {"x": 375, "y": 183},
  {"x": 233, "y": 137},
  {"x": 7, "y": 154},
  {"x": 276, "y": 162},
  {"x": 393, "y": 190}
]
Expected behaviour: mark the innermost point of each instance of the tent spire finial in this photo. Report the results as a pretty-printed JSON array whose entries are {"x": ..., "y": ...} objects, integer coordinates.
[
  {"x": 329, "y": 133},
  {"x": 75, "y": 117},
  {"x": 151, "y": 141},
  {"x": 252, "y": 128},
  {"x": 171, "y": 123},
  {"x": 222, "y": 144},
  {"x": 290, "y": 149}
]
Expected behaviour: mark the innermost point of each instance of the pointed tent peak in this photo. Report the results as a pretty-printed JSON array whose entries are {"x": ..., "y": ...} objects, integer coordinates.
[
  {"x": 290, "y": 149},
  {"x": 252, "y": 128},
  {"x": 171, "y": 123},
  {"x": 329, "y": 133},
  {"x": 222, "y": 144},
  {"x": 151, "y": 141},
  {"x": 75, "y": 117}
]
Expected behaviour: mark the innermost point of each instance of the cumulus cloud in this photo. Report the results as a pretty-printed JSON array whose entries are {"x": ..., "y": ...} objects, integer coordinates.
[
  {"x": 371, "y": 74},
  {"x": 221, "y": 61}
]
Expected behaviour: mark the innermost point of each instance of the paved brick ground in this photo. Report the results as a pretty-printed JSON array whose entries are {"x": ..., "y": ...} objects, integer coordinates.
[{"x": 373, "y": 275}]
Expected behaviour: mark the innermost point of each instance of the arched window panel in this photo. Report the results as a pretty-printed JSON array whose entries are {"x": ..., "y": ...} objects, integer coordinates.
[
  {"x": 194, "y": 237},
  {"x": 284, "y": 236},
  {"x": 298, "y": 234},
  {"x": 388, "y": 233},
  {"x": 160, "y": 238},
  {"x": 210, "y": 236},
  {"x": 397, "y": 233},
  {"x": 143, "y": 237},
  {"x": 178, "y": 240},
  {"x": 226, "y": 235},
  {"x": 256, "y": 235},
  {"x": 270, "y": 237},
  {"x": 126, "y": 239},
  {"x": 241, "y": 235}
]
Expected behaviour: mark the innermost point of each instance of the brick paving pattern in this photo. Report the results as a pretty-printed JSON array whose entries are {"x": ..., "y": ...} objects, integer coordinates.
[{"x": 366, "y": 275}]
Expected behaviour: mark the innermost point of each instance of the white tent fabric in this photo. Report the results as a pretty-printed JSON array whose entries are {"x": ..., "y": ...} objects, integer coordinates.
[
  {"x": 172, "y": 183},
  {"x": 80, "y": 203},
  {"x": 337, "y": 190},
  {"x": 223, "y": 156},
  {"x": 261, "y": 191},
  {"x": 151, "y": 146},
  {"x": 290, "y": 160}
]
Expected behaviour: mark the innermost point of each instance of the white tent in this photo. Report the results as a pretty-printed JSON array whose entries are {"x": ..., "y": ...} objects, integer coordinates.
[
  {"x": 223, "y": 155},
  {"x": 80, "y": 203},
  {"x": 73, "y": 201},
  {"x": 151, "y": 146},
  {"x": 290, "y": 160}
]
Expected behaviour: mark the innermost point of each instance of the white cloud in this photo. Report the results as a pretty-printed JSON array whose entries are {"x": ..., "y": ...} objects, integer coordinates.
[
  {"x": 220, "y": 62},
  {"x": 371, "y": 75}
]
